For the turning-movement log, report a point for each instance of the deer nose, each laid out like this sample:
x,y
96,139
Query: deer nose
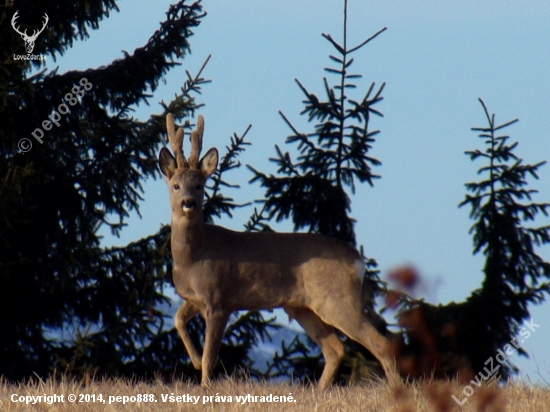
x,y
188,205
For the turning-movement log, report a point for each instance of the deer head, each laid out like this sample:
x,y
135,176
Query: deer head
x,y
186,179
29,40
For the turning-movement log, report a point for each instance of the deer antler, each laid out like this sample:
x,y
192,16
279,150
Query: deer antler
x,y
13,23
35,35
24,34
176,141
196,143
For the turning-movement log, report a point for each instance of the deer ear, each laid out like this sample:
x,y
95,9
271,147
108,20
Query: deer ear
x,y
209,163
167,163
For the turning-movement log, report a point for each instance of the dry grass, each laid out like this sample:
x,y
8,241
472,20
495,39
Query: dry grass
x,y
375,397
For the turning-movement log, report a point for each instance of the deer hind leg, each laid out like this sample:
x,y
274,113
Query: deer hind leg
x,y
184,314
216,321
325,336
349,319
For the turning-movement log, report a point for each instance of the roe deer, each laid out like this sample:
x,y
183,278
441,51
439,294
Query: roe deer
x,y
316,279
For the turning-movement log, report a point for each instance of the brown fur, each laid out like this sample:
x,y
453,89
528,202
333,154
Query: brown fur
x,y
218,271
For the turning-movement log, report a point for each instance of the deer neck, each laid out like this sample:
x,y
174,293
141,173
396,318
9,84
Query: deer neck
x,y
187,240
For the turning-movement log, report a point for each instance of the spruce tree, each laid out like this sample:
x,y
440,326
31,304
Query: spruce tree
x,y
67,304
313,190
461,337
503,211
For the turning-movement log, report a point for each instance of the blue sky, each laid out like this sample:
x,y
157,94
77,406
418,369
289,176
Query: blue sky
x,y
437,59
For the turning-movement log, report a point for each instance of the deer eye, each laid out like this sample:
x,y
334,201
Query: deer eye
x,y
198,187
176,187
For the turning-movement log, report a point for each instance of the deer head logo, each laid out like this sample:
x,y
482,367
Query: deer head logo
x,y
29,40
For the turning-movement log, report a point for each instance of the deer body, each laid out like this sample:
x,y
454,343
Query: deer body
x,y
315,278
255,271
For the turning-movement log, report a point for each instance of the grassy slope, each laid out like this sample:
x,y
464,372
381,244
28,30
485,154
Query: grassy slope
x,y
380,397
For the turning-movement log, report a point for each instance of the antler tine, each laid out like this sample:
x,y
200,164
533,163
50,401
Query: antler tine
x,y
176,140
14,22
196,143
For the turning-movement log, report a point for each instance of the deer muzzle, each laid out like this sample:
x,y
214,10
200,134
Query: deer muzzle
x,y
188,205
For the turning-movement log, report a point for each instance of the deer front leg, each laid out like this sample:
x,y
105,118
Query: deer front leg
x,y
215,327
183,316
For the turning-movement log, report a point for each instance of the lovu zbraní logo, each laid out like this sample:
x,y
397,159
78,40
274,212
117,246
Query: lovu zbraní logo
x,y
28,39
